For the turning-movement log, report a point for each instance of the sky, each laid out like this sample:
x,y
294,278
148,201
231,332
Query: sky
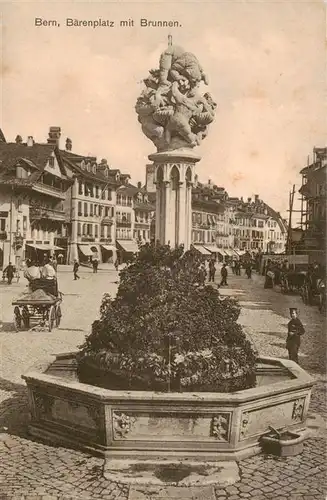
x,y
266,67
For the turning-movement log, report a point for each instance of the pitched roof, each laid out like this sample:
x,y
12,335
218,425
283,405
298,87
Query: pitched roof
x,y
73,160
146,207
2,137
11,153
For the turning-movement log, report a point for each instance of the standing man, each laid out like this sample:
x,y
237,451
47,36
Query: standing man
x,y
95,264
248,270
75,269
212,270
9,272
295,330
224,275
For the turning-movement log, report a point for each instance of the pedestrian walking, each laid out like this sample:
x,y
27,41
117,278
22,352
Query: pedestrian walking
x,y
95,264
249,270
60,258
116,264
54,263
212,270
9,273
295,331
75,270
224,274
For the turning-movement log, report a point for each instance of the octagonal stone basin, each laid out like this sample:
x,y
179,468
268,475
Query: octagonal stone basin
x,y
137,424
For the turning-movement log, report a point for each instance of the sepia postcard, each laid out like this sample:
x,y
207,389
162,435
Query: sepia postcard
x,y
170,157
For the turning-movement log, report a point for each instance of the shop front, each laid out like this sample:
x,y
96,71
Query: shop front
x,y
40,251
126,249
202,252
108,252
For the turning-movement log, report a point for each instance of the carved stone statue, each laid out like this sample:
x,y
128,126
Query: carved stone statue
x,y
171,109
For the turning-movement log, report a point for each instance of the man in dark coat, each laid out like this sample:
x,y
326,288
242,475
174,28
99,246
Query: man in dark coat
x,y
212,270
9,272
224,275
75,269
295,330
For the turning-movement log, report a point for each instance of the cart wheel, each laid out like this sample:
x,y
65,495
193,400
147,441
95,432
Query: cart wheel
x,y
58,315
26,317
17,319
51,317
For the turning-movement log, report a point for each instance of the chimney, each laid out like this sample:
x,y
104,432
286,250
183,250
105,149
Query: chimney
x,y
256,198
209,182
30,141
18,139
54,136
242,200
104,161
139,185
69,144
149,179
249,199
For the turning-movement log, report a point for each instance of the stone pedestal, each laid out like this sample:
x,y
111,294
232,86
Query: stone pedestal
x,y
174,175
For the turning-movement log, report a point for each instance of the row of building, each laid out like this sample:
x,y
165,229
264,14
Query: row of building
x,y
53,200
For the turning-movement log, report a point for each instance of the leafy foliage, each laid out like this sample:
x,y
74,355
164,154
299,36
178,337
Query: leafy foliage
x,y
165,331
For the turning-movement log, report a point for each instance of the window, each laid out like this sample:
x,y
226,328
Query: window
x,y
79,229
118,199
94,168
24,223
109,194
88,167
51,161
89,230
100,210
83,165
91,210
129,201
80,187
106,211
85,210
96,230
84,229
79,208
97,191
2,224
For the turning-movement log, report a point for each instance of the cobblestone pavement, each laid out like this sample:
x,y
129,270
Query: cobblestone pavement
x,y
33,470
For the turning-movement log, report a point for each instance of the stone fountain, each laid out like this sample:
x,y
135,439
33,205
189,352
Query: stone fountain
x,y
148,426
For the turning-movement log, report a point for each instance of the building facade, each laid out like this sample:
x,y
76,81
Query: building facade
x,y
313,197
34,184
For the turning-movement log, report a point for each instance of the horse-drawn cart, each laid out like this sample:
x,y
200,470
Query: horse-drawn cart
x,y
39,305
292,281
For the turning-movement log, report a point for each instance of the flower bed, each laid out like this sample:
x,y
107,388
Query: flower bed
x,y
166,331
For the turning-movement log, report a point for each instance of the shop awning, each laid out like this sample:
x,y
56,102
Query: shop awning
x,y
128,246
201,249
110,248
86,250
43,247
213,249
229,252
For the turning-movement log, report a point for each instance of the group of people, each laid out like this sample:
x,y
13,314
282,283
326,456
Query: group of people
x,y
212,273
48,270
33,270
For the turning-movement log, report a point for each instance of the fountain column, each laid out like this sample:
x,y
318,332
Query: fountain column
x,y
174,173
